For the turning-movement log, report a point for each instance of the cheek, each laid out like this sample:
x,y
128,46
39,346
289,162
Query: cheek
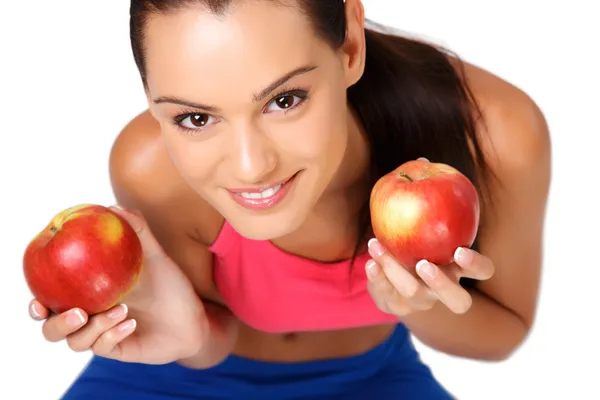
x,y
320,136
196,161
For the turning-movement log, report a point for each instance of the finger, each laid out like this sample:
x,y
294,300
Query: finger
x,y
37,311
454,272
474,265
423,159
59,326
378,285
150,245
448,291
402,280
388,299
110,345
85,337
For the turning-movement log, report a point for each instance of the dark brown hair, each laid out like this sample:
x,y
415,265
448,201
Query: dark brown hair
x,y
412,99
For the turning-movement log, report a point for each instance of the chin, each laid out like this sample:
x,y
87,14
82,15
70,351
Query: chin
x,y
267,227
254,232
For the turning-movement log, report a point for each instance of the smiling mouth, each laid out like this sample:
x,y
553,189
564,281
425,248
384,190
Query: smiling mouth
x,y
264,197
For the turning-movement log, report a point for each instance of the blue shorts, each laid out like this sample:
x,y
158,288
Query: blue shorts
x,y
392,370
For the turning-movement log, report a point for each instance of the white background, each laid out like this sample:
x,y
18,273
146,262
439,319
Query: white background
x,y
68,84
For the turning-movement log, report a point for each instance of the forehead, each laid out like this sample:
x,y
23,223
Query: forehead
x,y
194,50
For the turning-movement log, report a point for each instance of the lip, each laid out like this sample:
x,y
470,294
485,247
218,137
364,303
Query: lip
x,y
266,203
264,187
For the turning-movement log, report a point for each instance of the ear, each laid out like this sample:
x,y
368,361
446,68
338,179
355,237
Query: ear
x,y
354,48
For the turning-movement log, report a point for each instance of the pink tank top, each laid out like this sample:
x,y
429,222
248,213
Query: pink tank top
x,y
277,292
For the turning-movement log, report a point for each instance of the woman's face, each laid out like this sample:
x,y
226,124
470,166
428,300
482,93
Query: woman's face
x,y
252,108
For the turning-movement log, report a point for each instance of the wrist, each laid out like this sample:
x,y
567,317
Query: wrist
x,y
219,337
202,360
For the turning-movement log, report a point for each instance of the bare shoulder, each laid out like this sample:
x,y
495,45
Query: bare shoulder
x,y
514,129
142,174
515,139
144,178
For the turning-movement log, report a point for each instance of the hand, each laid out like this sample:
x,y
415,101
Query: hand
x,y
398,291
160,321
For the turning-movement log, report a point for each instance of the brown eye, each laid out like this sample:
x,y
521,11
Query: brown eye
x,y
285,102
199,120
195,121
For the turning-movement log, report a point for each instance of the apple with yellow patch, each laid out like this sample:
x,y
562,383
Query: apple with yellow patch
x,y
424,210
87,256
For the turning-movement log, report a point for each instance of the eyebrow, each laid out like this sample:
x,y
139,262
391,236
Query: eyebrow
x,y
256,97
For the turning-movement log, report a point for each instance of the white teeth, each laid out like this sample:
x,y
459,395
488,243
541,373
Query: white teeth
x,y
265,194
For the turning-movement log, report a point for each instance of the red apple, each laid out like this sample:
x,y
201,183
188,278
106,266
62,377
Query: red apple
x,y
87,257
424,210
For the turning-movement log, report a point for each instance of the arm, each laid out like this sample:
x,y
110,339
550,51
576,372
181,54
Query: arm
x,y
142,179
503,307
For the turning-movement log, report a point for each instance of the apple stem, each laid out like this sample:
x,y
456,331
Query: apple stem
x,y
53,229
404,175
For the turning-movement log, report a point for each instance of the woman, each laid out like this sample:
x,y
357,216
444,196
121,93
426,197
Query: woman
x,y
248,182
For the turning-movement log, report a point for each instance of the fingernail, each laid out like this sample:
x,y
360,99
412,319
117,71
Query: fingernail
x,y
34,312
423,159
75,318
127,326
461,255
375,248
427,269
372,269
117,208
118,311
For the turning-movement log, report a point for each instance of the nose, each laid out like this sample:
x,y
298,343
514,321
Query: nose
x,y
254,156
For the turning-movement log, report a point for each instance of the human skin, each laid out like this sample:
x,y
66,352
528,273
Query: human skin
x,y
177,176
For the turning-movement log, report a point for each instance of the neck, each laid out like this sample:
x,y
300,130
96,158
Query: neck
x,y
330,232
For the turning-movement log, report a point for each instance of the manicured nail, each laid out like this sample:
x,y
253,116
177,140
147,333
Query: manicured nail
x,y
75,318
461,255
34,312
427,269
372,268
118,311
375,248
117,209
127,326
